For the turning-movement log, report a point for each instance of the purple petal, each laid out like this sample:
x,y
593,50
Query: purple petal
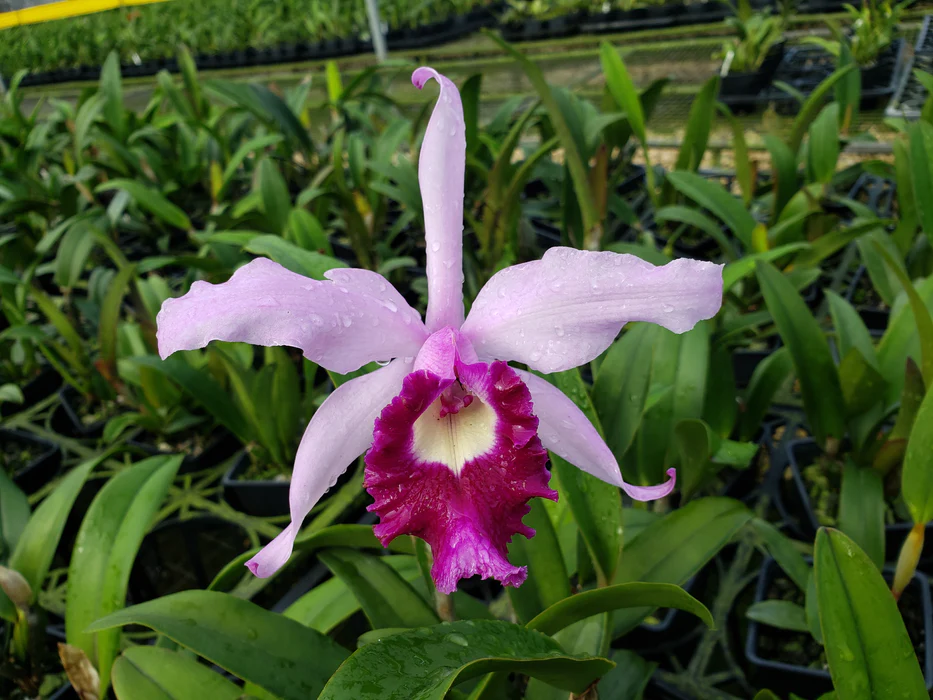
x,y
568,433
441,168
339,432
459,473
564,310
341,324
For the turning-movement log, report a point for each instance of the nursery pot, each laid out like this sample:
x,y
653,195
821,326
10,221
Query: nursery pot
x,y
749,84
66,418
784,678
43,386
41,468
179,555
221,447
793,502
876,318
262,499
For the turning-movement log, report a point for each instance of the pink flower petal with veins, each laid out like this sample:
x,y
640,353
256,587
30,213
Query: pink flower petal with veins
x,y
568,433
564,310
339,432
459,472
441,169
341,324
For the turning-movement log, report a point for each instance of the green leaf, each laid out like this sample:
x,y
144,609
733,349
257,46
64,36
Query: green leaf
x,y
922,316
713,196
869,652
824,143
699,122
151,200
39,540
819,380
264,104
779,613
547,581
850,329
739,269
783,551
917,476
861,509
696,443
253,146
784,174
699,221
275,200
623,89
386,598
831,243
277,654
153,673
14,514
578,170
769,376
676,547
308,233
623,595
110,315
921,144
812,106
201,387
327,605
112,90
426,663
596,505
862,384
304,262
883,280
743,165
621,387
901,341
628,680
105,549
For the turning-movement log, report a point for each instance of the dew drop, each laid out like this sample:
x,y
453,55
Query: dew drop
x,y
667,308
435,246
390,305
347,321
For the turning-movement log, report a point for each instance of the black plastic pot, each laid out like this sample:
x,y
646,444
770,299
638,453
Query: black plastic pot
x,y
223,446
740,88
41,469
442,32
793,503
540,29
876,318
804,67
258,498
43,386
183,554
784,678
66,420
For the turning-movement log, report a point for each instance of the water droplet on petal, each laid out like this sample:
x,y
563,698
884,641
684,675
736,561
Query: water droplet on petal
x,y
667,308
435,246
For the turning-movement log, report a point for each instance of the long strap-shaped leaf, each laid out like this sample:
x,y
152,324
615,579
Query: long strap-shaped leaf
x,y
572,156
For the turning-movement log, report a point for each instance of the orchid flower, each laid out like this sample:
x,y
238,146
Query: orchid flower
x,y
455,439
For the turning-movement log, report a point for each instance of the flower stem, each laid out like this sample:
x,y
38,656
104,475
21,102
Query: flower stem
x,y
445,607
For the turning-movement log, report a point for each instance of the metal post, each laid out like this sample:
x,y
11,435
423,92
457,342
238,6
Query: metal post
x,y
375,28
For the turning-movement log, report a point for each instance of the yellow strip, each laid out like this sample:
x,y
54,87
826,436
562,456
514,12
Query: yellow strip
x,y
59,10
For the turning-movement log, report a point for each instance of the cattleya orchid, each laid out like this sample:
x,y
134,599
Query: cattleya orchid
x,y
455,439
